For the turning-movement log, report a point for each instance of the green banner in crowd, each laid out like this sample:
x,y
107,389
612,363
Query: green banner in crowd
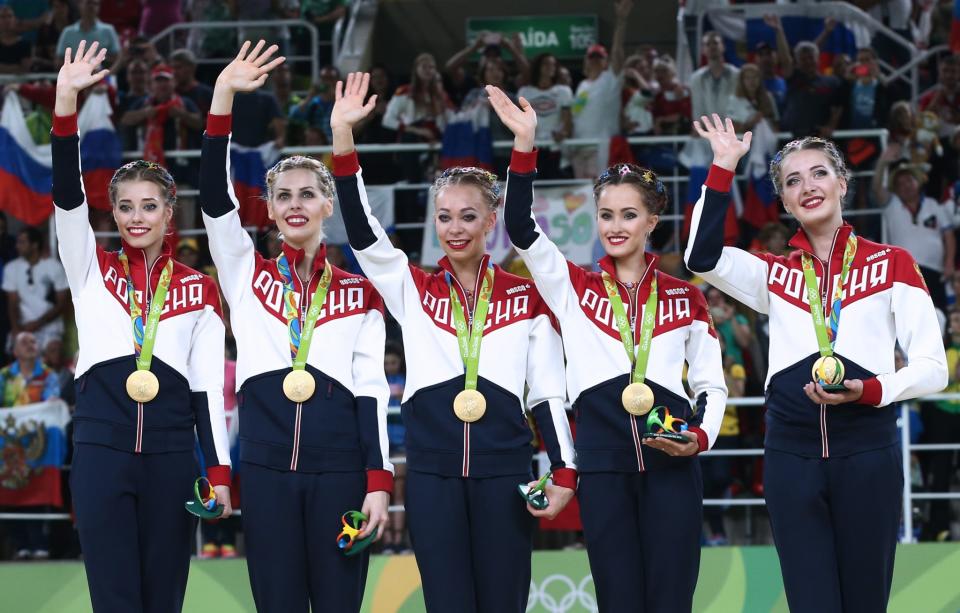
x,y
731,579
565,36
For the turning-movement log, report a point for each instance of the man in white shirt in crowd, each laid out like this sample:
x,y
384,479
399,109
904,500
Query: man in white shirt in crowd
x,y
596,104
712,85
916,222
36,288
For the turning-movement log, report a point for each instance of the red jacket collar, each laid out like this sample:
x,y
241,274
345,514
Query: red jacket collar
x,y
445,264
295,256
801,241
607,265
138,261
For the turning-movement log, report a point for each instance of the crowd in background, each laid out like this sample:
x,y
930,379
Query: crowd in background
x,y
160,97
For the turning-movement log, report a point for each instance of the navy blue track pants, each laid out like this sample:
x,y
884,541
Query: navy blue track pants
x,y
643,536
291,521
835,523
473,541
135,534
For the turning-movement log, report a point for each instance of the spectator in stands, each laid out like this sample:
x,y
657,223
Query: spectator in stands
x,y
281,83
395,537
137,82
812,104
215,42
61,14
718,470
157,15
941,424
166,122
671,114
36,289
552,103
136,48
712,86
378,168
23,382
314,110
184,65
916,222
766,61
324,15
732,327
903,142
492,71
54,359
418,112
90,29
865,96
944,101
123,15
17,388
490,46
257,120
596,107
751,102
15,52
773,238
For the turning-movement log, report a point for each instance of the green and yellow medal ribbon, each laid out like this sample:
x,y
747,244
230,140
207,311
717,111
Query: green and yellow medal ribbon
x,y
827,335
638,357
301,337
144,335
470,337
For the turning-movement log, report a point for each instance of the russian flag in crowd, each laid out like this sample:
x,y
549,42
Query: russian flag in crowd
x,y
761,205
731,228
33,447
743,35
248,166
26,171
955,28
99,149
467,140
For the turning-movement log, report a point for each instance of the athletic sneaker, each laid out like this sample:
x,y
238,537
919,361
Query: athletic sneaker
x,y
41,554
209,551
228,552
22,554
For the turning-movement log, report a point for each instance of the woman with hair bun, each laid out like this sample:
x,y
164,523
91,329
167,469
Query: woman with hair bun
x,y
627,331
312,394
833,476
149,375
476,336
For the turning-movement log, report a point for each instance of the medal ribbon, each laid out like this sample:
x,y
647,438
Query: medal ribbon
x,y
300,338
145,335
469,339
827,336
639,357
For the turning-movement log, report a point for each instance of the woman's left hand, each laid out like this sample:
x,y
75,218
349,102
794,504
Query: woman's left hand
x,y
557,498
522,120
673,448
817,394
376,508
223,497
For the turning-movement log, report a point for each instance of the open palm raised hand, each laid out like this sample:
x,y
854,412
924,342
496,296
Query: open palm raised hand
x,y
349,107
249,70
79,71
521,120
727,148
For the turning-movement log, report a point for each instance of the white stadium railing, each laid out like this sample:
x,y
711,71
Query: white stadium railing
x,y
907,449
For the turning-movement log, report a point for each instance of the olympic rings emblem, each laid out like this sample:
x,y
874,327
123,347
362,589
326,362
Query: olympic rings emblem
x,y
543,598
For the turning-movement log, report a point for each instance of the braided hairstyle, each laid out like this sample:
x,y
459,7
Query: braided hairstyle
x,y
294,162
484,180
644,180
829,149
142,170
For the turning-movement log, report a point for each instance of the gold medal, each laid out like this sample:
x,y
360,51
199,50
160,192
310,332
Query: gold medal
x,y
142,385
637,398
469,405
828,371
299,385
